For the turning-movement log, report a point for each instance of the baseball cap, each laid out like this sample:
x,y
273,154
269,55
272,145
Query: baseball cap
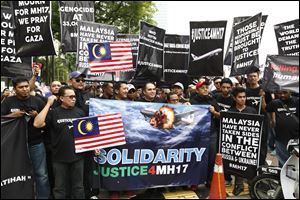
x,y
200,83
130,87
179,85
76,74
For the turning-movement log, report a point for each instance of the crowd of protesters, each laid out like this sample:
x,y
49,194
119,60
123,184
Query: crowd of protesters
x,y
61,173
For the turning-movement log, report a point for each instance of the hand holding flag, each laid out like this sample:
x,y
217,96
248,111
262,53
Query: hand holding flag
x,y
98,132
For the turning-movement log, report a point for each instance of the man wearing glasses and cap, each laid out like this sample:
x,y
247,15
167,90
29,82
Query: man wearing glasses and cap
x,y
82,97
179,89
132,95
82,102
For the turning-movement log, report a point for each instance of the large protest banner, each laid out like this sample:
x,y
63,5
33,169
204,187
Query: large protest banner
x,y
240,140
11,65
287,35
70,13
33,34
246,39
156,154
90,32
237,20
16,169
281,72
134,39
206,48
151,52
176,56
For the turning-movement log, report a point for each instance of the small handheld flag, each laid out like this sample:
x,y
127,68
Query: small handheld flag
x,y
98,132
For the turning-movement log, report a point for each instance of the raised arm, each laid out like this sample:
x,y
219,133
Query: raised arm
x,y
39,120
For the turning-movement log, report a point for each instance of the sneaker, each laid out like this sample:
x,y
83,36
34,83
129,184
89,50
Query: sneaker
x,y
237,190
94,197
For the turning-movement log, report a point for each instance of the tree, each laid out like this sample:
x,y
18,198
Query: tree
x,y
125,14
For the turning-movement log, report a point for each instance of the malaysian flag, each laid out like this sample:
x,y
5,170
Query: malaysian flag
x,y
110,56
98,132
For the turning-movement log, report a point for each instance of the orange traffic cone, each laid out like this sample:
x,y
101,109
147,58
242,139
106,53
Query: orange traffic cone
x,y
217,188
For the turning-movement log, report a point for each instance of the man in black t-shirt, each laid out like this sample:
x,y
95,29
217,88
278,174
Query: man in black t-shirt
x,y
225,99
23,104
256,98
65,161
285,121
77,80
149,94
121,91
82,96
203,98
239,96
217,83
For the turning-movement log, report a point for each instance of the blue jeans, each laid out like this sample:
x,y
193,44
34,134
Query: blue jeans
x,y
38,158
281,152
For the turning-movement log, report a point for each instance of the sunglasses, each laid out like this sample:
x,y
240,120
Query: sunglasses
x,y
78,80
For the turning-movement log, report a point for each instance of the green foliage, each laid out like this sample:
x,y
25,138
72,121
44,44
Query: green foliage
x,y
5,3
125,14
55,22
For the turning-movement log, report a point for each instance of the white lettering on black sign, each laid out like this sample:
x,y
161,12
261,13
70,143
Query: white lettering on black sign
x,y
92,33
240,140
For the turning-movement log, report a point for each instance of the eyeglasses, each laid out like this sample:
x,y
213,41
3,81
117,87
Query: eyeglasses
x,y
55,85
78,80
131,91
71,96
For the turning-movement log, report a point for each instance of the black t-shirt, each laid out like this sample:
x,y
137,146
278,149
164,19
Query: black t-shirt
x,y
247,109
286,126
224,102
82,100
59,121
214,93
13,104
208,100
253,97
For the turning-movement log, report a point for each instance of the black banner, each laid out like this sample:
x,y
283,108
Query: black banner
x,y
16,169
206,48
287,35
240,141
237,20
151,52
90,32
33,32
70,13
246,39
134,39
281,72
176,55
11,65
